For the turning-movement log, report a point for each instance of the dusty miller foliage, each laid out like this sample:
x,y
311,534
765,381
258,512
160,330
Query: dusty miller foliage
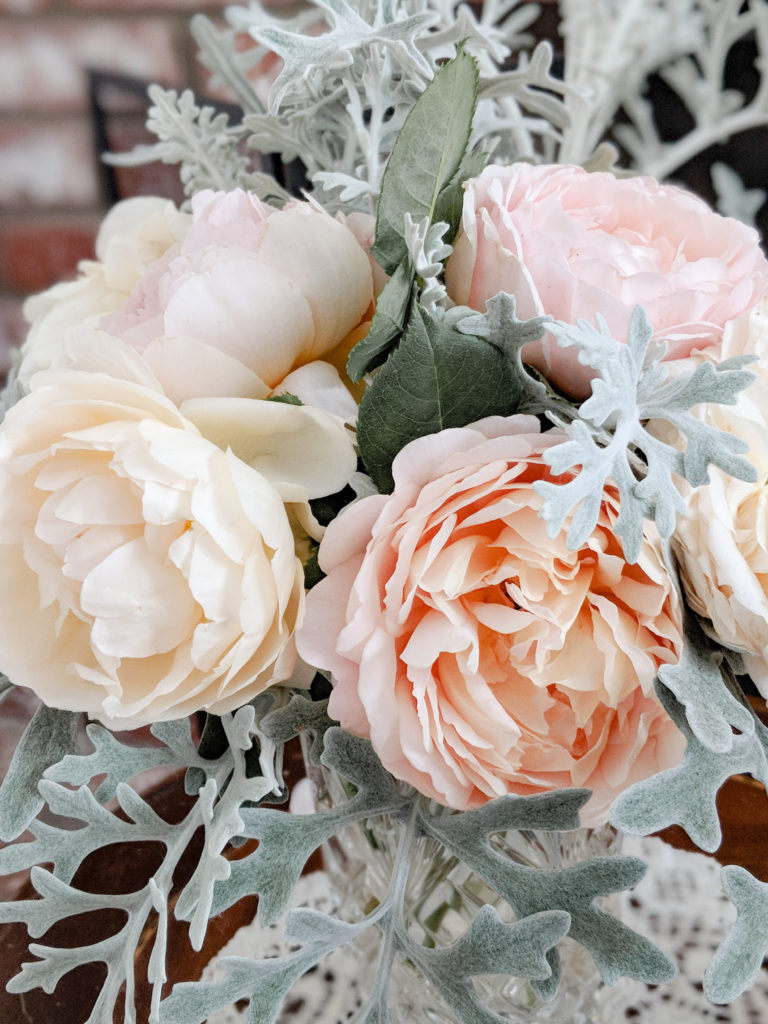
x,y
342,96
613,435
49,769
548,905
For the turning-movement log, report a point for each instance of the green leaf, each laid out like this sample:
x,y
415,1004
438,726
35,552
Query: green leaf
x,y
50,735
437,378
426,156
389,319
286,398
451,199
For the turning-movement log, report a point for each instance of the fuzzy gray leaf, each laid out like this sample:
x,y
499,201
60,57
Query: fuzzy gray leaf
x,y
610,438
227,787
686,794
287,841
500,327
119,762
201,141
337,48
50,735
491,947
265,982
616,949
740,957
712,711
300,715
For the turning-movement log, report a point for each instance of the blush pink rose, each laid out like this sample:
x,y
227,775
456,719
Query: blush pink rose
x,y
569,243
480,656
249,291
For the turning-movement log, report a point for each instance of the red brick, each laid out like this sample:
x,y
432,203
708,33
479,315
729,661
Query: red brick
x,y
23,6
144,5
47,165
43,66
36,253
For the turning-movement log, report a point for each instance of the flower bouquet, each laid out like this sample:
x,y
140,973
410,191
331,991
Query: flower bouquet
x,y
452,464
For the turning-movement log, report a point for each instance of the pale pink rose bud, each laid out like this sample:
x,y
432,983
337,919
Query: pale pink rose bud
x,y
569,243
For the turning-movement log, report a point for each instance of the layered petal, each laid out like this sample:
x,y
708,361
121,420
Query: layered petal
x,y
479,655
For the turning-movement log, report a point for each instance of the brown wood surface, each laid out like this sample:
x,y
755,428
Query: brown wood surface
x,y
120,869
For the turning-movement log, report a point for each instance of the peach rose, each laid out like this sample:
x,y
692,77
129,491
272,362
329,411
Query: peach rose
x,y
146,572
721,541
480,656
569,244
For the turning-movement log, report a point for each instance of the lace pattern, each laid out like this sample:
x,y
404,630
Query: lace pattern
x,y
679,905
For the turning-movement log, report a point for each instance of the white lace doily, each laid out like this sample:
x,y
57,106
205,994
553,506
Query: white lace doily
x,y
679,905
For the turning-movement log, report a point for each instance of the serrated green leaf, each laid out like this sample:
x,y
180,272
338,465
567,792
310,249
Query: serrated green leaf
x,y
451,199
426,156
437,378
50,736
388,321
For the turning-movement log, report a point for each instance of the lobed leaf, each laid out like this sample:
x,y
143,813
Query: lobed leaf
x,y
740,957
711,709
49,736
611,437
686,794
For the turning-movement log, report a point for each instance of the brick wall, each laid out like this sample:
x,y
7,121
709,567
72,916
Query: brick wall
x,y
51,193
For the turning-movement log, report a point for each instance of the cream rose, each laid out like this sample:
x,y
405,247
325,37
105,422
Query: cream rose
x,y
480,656
721,541
569,244
146,572
134,234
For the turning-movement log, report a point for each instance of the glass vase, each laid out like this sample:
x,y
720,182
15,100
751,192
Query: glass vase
x,y
443,896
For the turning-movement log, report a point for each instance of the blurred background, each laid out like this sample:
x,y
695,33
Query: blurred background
x,y
72,77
